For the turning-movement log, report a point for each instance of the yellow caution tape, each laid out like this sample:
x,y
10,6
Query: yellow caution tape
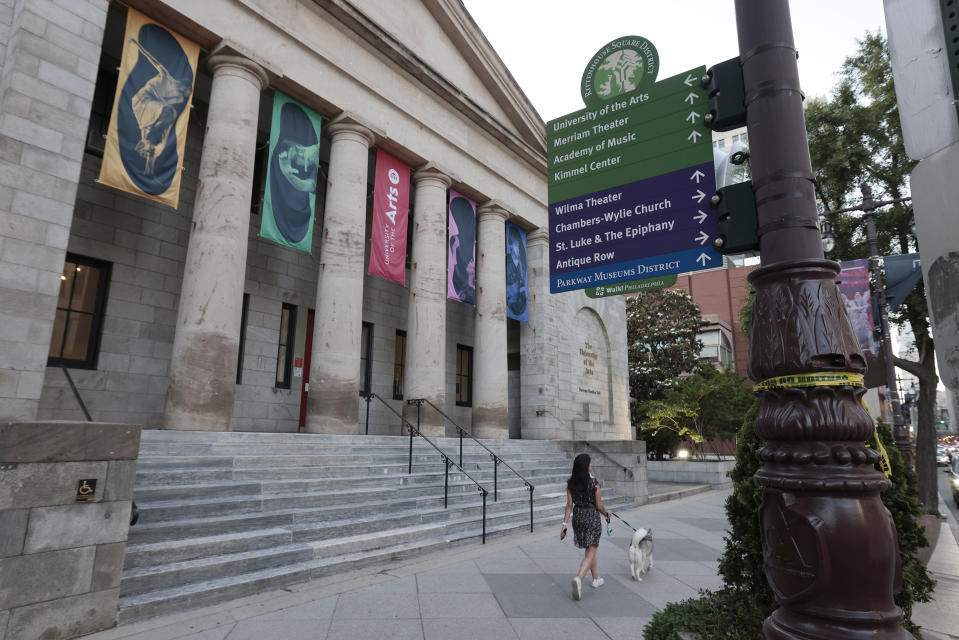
x,y
812,380
876,444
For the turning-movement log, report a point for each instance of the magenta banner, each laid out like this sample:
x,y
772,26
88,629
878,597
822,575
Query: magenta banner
x,y
854,290
461,264
391,208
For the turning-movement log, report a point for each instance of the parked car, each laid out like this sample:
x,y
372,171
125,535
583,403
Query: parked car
x,y
942,457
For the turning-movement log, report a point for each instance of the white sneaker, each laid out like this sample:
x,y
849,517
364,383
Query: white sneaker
x,y
598,582
577,588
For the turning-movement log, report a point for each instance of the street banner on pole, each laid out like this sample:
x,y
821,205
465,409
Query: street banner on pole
x,y
630,176
289,200
517,276
854,291
461,262
143,154
391,207
903,273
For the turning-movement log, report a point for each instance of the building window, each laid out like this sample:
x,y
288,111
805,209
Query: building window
x,y
366,362
721,143
243,316
284,352
80,308
716,347
399,365
464,376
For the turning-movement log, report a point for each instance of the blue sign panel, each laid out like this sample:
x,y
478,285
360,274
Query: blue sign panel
x,y
657,226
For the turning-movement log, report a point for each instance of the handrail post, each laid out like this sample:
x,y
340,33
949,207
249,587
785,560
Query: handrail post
x,y
410,470
446,483
495,490
530,507
484,517
369,399
461,444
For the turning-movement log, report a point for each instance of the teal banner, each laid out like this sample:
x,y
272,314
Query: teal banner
x,y
290,198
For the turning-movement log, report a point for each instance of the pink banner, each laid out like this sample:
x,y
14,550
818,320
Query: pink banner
x,y
461,262
391,208
854,291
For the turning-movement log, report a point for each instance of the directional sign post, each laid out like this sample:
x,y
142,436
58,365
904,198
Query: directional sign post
x,y
630,177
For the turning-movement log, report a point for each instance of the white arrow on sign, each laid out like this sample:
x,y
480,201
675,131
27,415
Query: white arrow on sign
x,y
697,175
702,238
701,217
692,117
699,196
694,135
689,80
691,98
703,258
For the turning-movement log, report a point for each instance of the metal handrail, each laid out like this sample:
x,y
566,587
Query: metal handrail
x,y
414,431
496,459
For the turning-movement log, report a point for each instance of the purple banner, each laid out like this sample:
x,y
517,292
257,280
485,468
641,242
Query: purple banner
x,y
517,280
854,290
461,262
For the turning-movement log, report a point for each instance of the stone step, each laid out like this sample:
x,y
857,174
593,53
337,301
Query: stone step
x,y
177,574
157,553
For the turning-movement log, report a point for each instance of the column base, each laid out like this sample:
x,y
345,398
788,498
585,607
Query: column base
x,y
490,422
330,425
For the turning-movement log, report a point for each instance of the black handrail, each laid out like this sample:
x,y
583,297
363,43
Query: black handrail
x,y
496,459
414,431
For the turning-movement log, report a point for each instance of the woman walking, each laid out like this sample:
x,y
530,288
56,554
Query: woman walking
x,y
585,504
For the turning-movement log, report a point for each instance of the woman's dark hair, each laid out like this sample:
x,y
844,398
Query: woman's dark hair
x,y
580,476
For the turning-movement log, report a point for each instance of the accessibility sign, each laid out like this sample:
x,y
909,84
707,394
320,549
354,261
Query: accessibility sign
x,y
631,175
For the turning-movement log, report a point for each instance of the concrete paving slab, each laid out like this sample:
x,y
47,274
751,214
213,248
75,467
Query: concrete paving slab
x,y
618,628
468,629
315,610
364,605
375,630
459,605
258,629
466,578
552,629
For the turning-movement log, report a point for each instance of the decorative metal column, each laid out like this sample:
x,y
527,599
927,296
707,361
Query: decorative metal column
x,y
829,544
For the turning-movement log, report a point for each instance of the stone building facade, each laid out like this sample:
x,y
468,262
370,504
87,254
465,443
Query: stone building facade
x,y
194,322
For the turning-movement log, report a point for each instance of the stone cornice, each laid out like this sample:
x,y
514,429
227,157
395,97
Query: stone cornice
x,y
532,147
493,210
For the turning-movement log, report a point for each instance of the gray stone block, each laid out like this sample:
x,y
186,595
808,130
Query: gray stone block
x,y
77,525
108,566
45,576
68,441
67,618
13,530
42,485
4,616
121,474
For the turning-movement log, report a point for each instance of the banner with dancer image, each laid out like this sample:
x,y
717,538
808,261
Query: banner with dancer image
x,y
855,293
517,277
391,208
289,200
461,264
143,154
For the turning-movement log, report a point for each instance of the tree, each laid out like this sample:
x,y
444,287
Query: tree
x,y
706,405
855,139
661,330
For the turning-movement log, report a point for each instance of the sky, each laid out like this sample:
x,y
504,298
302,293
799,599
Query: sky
x,y
546,44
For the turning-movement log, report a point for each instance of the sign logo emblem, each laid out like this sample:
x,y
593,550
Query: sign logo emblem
x,y
622,66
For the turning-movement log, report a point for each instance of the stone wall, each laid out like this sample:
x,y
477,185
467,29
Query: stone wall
x,y
60,559
619,465
50,53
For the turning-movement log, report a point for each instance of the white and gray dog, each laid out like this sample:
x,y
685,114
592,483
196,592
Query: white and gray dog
x,y
641,553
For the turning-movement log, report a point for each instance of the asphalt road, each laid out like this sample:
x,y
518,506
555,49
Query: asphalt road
x,y
945,490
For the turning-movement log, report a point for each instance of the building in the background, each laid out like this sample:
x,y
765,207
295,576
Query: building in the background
x,y
188,318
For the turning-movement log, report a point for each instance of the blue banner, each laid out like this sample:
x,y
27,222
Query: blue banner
x,y
517,275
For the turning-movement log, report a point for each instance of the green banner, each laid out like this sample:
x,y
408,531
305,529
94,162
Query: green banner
x,y
289,200
620,288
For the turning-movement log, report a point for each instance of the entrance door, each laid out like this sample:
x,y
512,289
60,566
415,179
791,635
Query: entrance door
x,y
308,351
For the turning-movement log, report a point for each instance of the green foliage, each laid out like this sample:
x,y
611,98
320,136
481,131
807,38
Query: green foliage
x,y
917,584
661,329
716,615
708,404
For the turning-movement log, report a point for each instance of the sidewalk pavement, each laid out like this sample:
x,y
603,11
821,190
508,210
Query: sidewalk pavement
x,y
516,587
940,618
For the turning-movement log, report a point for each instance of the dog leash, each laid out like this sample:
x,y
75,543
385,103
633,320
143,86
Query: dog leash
x,y
623,521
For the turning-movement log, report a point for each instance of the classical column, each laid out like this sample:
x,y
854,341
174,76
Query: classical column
x,y
490,392
426,322
538,364
205,347
335,362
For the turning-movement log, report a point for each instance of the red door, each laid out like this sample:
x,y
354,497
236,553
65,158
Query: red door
x,y
308,350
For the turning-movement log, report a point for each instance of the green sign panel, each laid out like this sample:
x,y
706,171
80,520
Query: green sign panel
x,y
633,286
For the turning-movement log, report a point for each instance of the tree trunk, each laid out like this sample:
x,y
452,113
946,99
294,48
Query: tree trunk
x,y
926,431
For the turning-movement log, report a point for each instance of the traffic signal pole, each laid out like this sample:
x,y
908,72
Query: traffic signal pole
x,y
829,544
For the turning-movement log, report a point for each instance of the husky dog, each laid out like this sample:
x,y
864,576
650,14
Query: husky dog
x,y
641,553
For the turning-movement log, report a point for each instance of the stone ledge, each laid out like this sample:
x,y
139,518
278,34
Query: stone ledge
x,y
66,441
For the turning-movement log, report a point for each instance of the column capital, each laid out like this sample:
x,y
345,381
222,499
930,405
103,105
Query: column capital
x,y
349,126
493,210
540,235
430,171
240,66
